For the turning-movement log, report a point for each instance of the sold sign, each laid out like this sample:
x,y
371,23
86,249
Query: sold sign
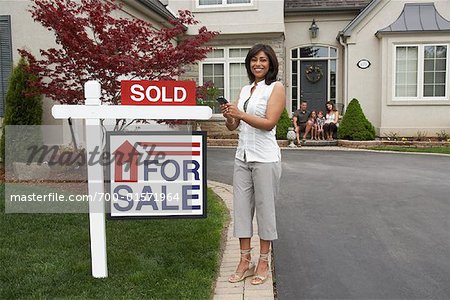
x,y
145,92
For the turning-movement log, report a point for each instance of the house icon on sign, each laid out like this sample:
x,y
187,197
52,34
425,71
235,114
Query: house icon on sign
x,y
126,159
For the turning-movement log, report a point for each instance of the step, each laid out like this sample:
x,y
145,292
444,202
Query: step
x,y
222,142
319,143
282,143
234,143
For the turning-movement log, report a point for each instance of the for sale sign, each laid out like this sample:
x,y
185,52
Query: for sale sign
x,y
157,174
146,92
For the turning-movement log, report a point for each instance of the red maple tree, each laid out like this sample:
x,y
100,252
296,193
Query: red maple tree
x,y
95,45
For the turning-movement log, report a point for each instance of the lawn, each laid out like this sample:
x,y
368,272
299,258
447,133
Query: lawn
x,y
444,150
48,256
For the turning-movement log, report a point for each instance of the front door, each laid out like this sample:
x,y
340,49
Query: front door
x,y
314,83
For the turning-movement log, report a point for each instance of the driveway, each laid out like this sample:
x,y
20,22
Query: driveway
x,y
358,225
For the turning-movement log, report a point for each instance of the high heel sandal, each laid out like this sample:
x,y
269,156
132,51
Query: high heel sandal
x,y
239,276
258,278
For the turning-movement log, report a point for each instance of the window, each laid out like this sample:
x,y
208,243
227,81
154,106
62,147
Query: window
x,y
215,73
225,67
223,2
5,58
406,71
434,68
421,72
309,52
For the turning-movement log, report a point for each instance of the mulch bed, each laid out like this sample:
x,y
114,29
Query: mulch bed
x,y
70,180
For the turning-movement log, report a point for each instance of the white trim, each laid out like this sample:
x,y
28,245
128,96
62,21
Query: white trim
x,y
328,79
224,6
420,74
131,111
299,60
299,90
226,60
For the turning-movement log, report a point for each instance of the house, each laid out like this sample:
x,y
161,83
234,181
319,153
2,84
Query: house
x,y
393,56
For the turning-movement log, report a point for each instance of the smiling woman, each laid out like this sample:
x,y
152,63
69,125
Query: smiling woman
x,y
257,167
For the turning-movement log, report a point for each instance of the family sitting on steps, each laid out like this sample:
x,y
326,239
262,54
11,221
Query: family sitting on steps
x,y
316,124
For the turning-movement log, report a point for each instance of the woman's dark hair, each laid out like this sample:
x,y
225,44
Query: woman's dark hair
x,y
271,76
333,108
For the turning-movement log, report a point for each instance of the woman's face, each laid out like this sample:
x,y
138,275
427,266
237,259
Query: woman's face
x,y
329,107
259,65
313,114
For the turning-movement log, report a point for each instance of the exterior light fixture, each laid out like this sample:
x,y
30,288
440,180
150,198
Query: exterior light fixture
x,y
314,29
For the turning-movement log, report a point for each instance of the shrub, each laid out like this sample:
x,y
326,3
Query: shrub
x,y
207,95
442,136
421,135
391,136
283,124
354,125
23,106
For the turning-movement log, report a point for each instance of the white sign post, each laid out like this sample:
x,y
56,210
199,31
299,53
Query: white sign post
x,y
92,112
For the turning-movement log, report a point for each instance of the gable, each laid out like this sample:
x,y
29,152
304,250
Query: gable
x,y
417,17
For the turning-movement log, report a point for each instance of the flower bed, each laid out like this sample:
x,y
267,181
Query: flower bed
x,y
405,143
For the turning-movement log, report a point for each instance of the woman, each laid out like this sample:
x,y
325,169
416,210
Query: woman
x,y
257,167
331,121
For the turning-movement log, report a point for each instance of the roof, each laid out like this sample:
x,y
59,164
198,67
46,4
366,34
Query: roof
x,y
347,31
158,8
323,5
417,17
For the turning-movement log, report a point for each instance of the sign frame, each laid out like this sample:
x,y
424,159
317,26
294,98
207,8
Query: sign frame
x,y
107,173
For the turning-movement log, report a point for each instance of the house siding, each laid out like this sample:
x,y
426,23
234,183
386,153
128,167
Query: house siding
x,y
373,86
263,16
5,59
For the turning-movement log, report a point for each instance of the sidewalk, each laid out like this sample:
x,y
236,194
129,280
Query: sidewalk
x,y
243,290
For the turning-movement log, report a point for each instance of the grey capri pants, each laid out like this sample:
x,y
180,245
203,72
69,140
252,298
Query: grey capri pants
x,y
255,187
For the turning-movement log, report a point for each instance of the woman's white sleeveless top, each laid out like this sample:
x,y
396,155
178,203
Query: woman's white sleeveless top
x,y
256,145
331,116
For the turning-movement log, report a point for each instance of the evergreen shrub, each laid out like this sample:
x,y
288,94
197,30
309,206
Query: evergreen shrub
x,y
23,106
282,126
354,124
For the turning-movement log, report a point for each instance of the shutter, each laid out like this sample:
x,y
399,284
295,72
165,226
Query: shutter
x,y
6,62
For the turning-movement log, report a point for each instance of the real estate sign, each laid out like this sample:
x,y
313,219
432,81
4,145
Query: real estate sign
x,y
157,174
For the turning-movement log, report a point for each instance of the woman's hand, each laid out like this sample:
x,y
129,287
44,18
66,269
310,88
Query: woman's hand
x,y
232,111
231,122
224,109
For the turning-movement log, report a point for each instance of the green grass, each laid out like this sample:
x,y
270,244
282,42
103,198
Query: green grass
x,y
48,256
444,150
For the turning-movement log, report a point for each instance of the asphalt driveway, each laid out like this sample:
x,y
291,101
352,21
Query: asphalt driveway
x,y
359,225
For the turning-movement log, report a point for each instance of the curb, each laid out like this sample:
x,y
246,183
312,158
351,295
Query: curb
x,y
341,148
243,290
